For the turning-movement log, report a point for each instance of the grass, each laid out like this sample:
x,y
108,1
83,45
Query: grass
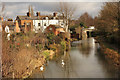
x,y
46,53
108,45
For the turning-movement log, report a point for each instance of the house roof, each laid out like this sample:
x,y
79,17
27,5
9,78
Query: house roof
x,y
38,18
8,23
27,18
56,26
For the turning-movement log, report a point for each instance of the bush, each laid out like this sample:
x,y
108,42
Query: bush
x,y
39,46
46,54
63,45
50,37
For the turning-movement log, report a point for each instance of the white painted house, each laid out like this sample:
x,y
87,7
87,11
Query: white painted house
x,y
44,21
7,30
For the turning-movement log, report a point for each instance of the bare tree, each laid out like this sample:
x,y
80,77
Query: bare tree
x,y
1,14
86,19
108,18
2,9
31,10
107,23
67,10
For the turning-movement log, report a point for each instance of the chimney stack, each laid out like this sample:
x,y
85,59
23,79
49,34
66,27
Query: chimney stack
x,y
10,19
1,18
29,14
55,14
38,14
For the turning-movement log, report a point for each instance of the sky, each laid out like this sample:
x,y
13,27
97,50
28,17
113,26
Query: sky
x,y
46,7
59,0
12,9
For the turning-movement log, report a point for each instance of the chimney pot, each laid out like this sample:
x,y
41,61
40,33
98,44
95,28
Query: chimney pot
x,y
55,14
38,14
29,14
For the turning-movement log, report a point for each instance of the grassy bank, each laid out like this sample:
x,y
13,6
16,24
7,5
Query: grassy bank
x,y
25,52
111,53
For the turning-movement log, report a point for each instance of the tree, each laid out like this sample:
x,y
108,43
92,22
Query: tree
x,y
108,17
107,22
85,19
2,9
67,12
31,10
1,15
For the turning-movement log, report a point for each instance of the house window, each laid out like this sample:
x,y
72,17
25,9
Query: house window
x,y
54,17
50,29
38,24
28,23
45,24
46,18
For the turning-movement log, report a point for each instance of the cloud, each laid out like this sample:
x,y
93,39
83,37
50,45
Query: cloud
x,y
59,0
92,8
12,10
20,8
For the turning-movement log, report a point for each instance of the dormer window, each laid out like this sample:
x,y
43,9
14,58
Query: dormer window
x,y
46,18
62,24
28,23
54,17
45,24
38,24
50,29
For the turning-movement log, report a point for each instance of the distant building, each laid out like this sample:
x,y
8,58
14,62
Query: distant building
x,y
91,27
16,29
7,29
56,29
39,22
1,19
43,21
25,23
6,24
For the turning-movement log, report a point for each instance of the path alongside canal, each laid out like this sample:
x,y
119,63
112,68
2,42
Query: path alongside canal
x,y
82,61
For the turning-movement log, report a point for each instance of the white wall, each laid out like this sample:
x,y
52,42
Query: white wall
x,y
47,22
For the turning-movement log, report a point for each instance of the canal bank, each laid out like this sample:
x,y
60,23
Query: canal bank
x,y
111,53
82,61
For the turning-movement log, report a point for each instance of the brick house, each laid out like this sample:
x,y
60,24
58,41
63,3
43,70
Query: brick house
x,y
25,23
39,22
13,26
43,21
9,24
1,19
56,29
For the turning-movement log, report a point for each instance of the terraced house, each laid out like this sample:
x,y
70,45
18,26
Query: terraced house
x,y
39,22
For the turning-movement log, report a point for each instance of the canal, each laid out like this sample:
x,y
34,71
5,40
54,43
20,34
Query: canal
x,y
84,60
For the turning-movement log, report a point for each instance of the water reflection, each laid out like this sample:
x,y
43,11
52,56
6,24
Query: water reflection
x,y
82,61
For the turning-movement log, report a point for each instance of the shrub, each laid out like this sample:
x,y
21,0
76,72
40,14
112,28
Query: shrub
x,y
46,53
50,37
63,45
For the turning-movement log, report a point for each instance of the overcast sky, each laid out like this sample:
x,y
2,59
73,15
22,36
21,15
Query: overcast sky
x,y
12,9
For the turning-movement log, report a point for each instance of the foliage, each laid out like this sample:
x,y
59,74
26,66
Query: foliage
x,y
107,22
63,45
72,28
50,37
81,24
39,46
85,20
46,53
53,47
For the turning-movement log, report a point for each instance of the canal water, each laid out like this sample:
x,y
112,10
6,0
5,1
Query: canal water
x,y
84,60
